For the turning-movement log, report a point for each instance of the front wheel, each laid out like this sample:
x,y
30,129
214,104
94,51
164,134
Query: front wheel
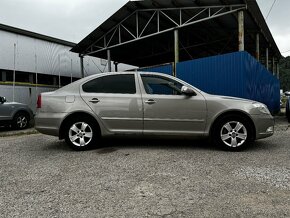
x,y
233,133
81,134
288,110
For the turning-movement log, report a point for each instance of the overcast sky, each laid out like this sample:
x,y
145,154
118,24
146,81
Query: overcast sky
x,y
72,20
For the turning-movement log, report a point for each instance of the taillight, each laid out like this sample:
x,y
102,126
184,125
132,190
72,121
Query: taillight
x,y
39,101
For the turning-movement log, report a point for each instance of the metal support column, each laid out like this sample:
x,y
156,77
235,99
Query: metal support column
x,y
273,65
82,66
241,31
267,58
109,60
116,66
176,51
14,73
258,47
59,79
278,70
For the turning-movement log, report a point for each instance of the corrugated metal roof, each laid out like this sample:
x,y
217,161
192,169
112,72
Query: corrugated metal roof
x,y
212,37
36,35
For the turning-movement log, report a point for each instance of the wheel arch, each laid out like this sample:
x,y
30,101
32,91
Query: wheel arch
x,y
21,111
233,113
74,115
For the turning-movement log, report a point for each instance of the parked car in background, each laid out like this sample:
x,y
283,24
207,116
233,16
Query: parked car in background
x,y
148,104
288,109
287,93
16,114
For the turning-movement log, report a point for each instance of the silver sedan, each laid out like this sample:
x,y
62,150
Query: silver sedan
x,y
148,104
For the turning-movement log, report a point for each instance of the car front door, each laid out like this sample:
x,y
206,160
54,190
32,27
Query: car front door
x,y
168,111
117,101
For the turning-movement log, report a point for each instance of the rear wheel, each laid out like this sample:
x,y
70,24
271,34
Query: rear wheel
x,y
81,134
233,133
20,121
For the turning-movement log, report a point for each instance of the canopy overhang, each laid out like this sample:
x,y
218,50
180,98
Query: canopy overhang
x,y
141,32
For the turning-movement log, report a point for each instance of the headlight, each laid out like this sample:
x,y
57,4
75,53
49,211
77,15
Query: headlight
x,y
261,107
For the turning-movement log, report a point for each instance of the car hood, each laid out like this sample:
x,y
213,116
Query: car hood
x,y
225,98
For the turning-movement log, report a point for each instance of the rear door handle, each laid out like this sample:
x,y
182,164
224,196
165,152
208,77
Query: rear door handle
x,y
150,101
94,100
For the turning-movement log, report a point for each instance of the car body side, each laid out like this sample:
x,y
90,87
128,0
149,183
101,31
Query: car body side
x,y
62,104
8,110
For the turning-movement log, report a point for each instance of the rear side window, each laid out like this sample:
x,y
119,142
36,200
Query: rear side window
x,y
122,84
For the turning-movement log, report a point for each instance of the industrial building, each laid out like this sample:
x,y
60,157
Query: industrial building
x,y
31,63
171,33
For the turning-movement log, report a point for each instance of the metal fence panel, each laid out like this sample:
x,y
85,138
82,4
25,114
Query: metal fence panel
x,y
219,75
235,74
261,85
166,69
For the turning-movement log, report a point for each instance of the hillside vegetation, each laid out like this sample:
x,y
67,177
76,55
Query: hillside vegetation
x,y
285,74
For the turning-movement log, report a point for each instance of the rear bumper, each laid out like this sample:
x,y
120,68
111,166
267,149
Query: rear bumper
x,y
49,123
264,124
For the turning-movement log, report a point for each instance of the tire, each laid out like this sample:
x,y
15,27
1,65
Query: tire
x,y
288,110
233,133
20,121
81,134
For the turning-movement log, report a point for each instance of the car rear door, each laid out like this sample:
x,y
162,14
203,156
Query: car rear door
x,y
117,101
168,111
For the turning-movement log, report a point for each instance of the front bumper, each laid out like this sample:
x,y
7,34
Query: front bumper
x,y
264,125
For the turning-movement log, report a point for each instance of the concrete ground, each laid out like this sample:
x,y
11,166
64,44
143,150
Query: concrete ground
x,y
42,177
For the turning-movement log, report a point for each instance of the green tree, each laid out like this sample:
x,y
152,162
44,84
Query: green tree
x,y
285,73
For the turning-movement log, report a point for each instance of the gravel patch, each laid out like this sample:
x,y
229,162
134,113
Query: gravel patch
x,y
277,177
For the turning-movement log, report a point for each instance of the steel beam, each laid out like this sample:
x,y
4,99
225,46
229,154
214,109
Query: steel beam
x,y
176,50
267,58
109,60
258,47
82,66
241,31
116,66
273,65
278,70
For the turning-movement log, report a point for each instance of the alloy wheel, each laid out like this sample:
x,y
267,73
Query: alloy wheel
x,y
233,134
80,134
21,121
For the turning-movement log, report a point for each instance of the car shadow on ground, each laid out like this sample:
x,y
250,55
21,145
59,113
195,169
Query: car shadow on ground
x,y
109,145
6,128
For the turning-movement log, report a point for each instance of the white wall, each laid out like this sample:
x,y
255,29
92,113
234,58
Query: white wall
x,y
26,95
45,57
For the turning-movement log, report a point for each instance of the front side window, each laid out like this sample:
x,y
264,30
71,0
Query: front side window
x,y
158,85
121,84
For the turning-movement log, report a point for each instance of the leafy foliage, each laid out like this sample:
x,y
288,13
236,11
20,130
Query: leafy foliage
x,y
285,74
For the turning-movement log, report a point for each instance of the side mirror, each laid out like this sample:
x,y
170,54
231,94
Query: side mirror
x,y
188,91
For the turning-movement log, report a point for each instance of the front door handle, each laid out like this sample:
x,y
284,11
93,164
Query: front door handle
x,y
150,101
94,100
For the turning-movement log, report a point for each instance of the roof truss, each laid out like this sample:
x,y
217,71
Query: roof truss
x,y
150,22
